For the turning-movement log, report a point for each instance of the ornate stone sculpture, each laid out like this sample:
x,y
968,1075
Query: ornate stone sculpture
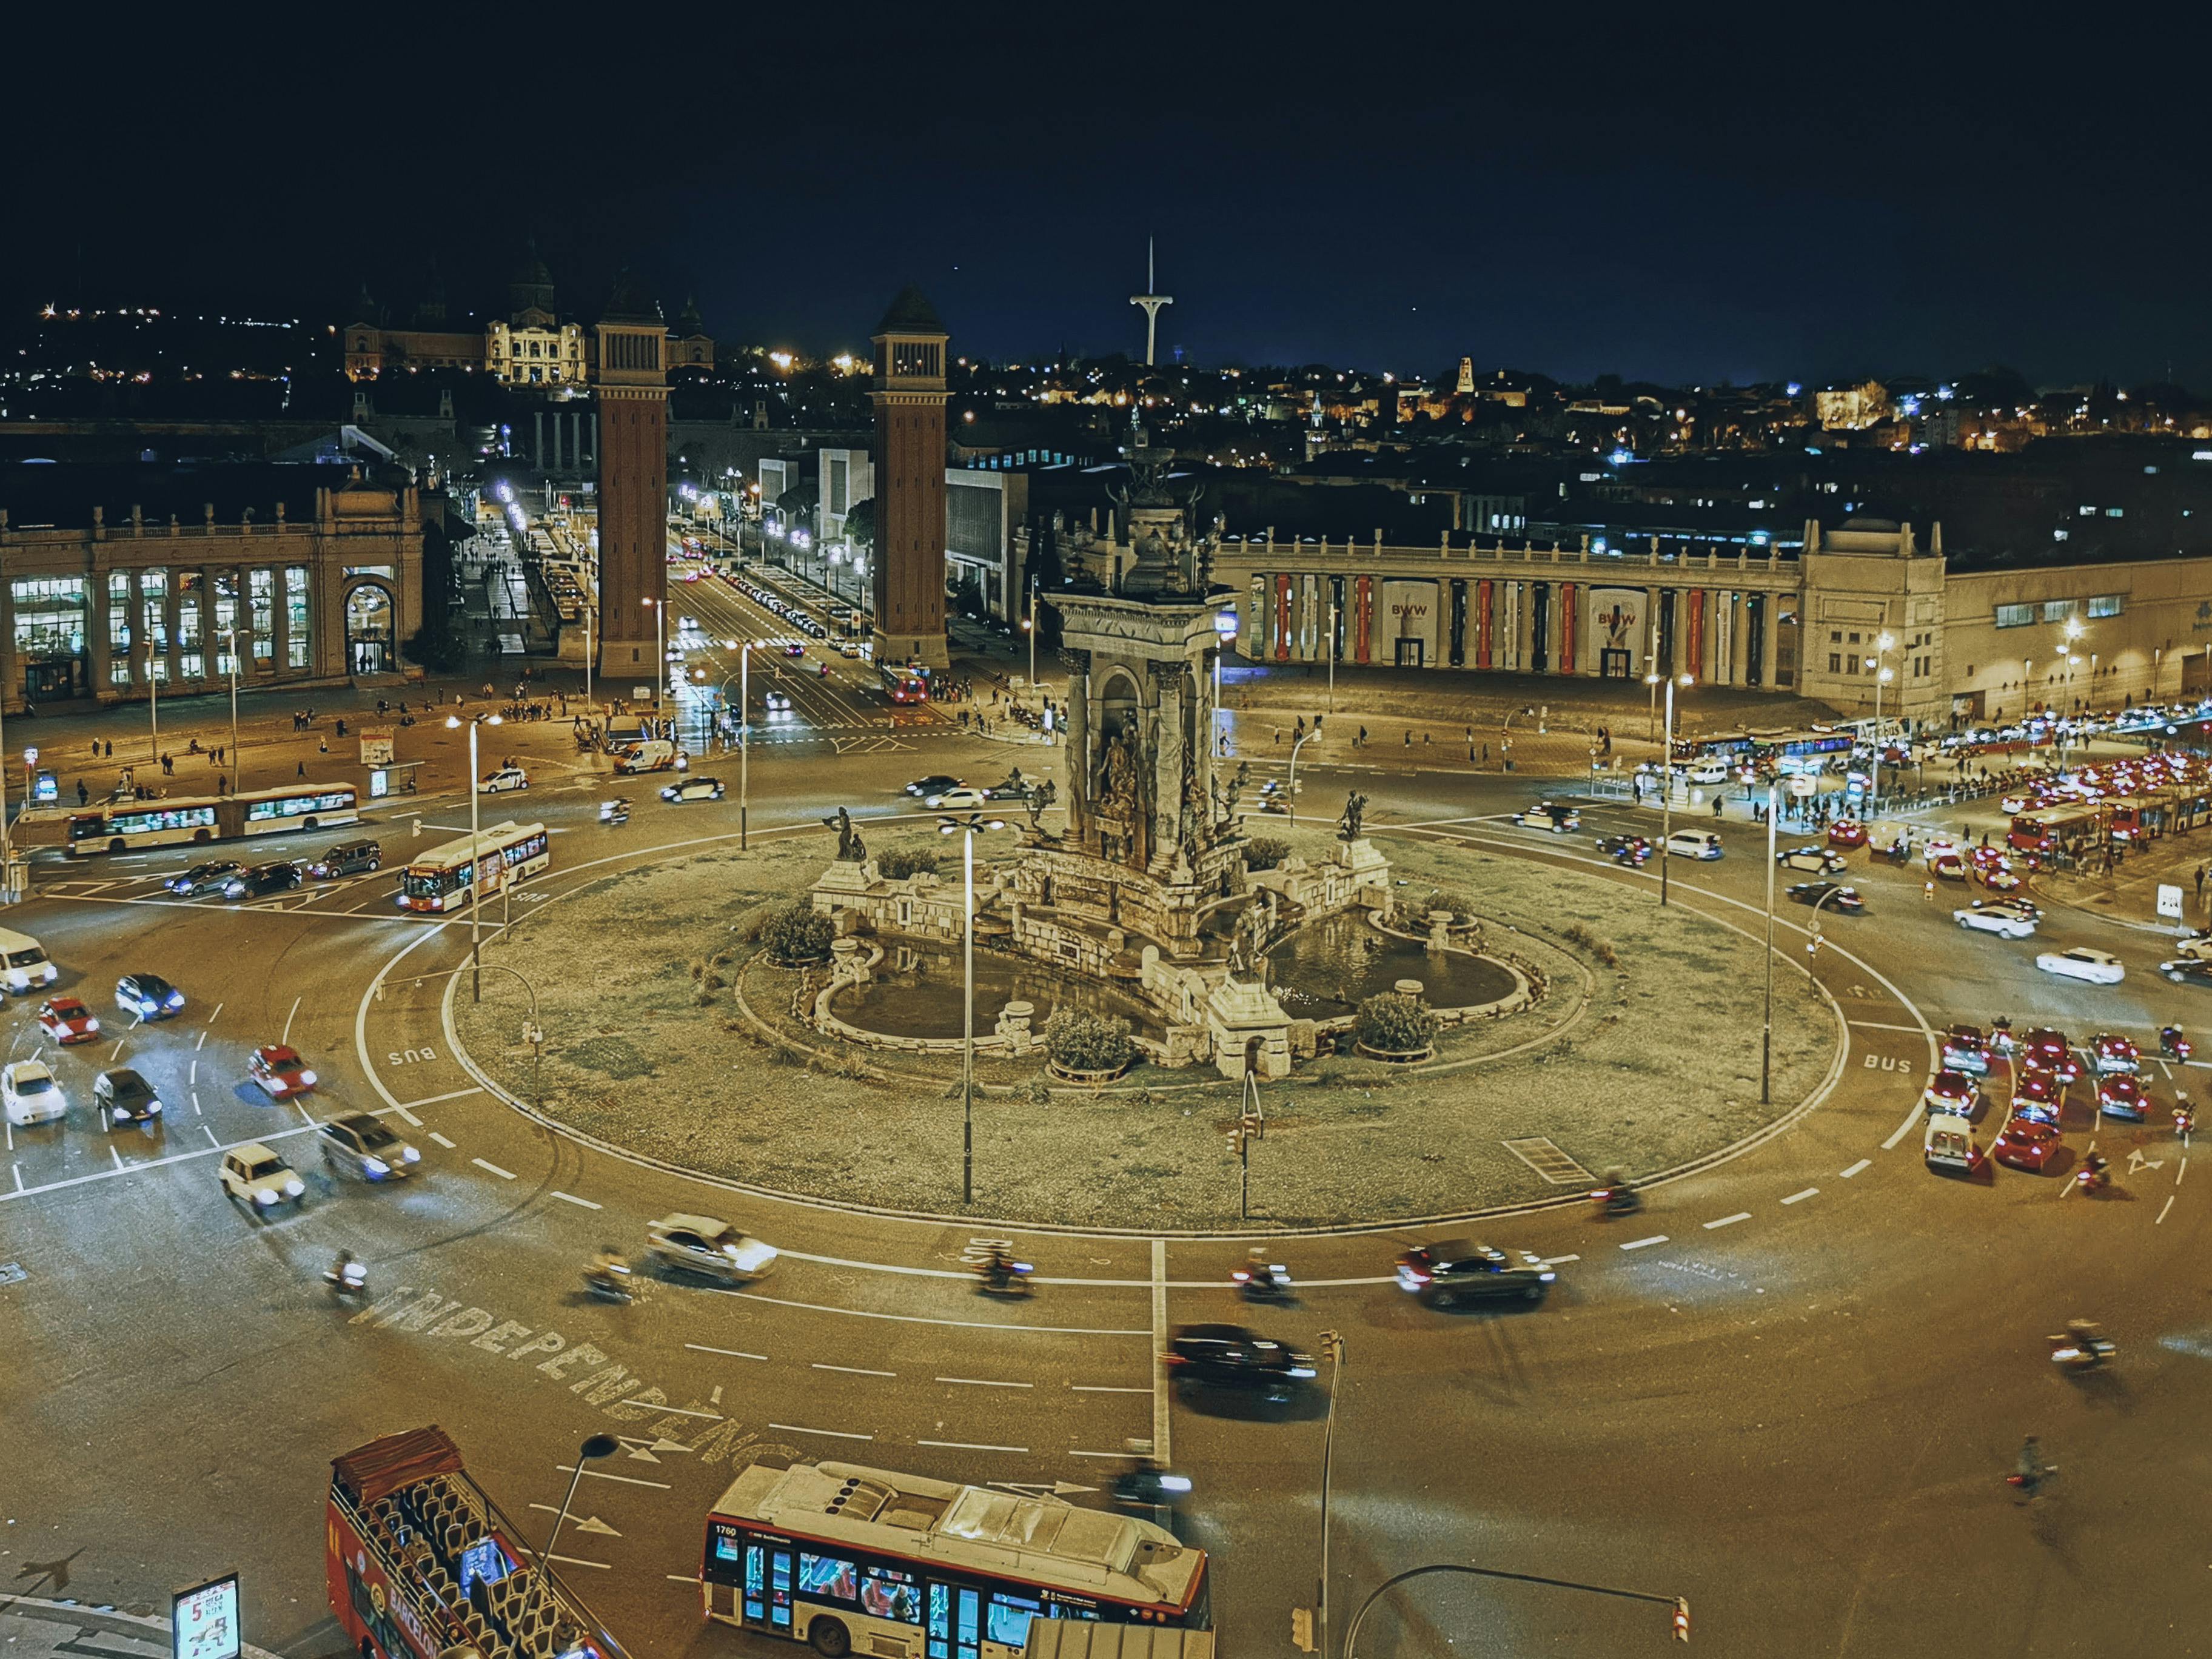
x,y
851,849
1355,810
1041,797
1117,793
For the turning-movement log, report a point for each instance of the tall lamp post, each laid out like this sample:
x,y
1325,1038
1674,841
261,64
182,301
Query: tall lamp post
x,y
533,1033
1666,785
1332,656
1883,645
966,828
1224,629
598,1446
231,634
1767,1020
1333,1347
659,650
453,722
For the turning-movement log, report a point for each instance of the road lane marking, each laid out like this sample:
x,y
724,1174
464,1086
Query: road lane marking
x,y
852,1370
194,1077
1913,1120
986,1383
1554,1260
1799,1198
433,1100
579,1561
18,1169
413,1121
1640,1243
1863,1164
2164,1207
285,1035
734,1353
210,1133
924,1319
627,1480
1728,1220
1162,1387
835,1434
1103,1388
216,1016
504,1175
1119,1456
1876,1025
968,1445
581,1203
679,1411
442,1140
202,1044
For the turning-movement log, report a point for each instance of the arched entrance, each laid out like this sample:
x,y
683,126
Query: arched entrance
x,y
370,619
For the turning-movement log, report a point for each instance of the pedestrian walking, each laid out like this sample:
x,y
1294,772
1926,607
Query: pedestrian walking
x,y
111,749
1717,805
302,771
83,794
1363,737
168,767
1409,737
2200,883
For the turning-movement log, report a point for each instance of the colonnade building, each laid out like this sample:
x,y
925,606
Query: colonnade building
x,y
1869,603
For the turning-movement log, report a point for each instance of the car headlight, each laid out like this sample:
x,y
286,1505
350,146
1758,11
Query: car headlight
x,y
153,1108
176,999
1547,1276
263,1195
376,1166
1302,1371
92,1025
295,1187
306,1079
409,1155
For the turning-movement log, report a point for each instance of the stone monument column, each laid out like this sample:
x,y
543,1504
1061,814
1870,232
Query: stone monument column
x,y
1078,664
1168,759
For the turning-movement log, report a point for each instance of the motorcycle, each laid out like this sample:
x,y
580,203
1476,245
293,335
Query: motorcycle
x,y
2091,1180
346,1277
611,1281
614,812
2080,1353
1150,1484
1268,1283
1617,1201
1009,1279
2173,1044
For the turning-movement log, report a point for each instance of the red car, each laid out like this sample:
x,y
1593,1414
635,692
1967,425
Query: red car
x,y
67,1020
1847,832
1953,1092
2114,1053
2042,1091
2121,1095
1965,1049
280,1071
2028,1143
1948,866
2049,1051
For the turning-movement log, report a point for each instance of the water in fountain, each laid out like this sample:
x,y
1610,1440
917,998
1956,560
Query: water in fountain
x,y
1327,969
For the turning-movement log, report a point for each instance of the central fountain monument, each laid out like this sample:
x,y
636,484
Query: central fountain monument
x,y
1147,885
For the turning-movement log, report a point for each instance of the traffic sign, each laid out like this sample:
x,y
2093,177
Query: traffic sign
x,y
2169,900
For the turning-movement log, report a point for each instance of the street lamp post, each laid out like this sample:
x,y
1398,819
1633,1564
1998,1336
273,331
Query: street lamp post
x,y
533,1033
1030,627
1296,744
1505,737
1883,645
475,854
598,1446
967,828
1766,1018
1332,656
744,736
659,650
1667,786
1332,1346
231,634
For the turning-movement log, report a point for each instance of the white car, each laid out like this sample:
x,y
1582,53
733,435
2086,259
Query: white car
x,y
958,797
1693,844
2007,920
30,1093
259,1179
2097,966
499,782
1544,815
777,703
706,1245
1810,858
1709,771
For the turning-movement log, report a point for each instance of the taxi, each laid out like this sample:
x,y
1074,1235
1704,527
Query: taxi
x,y
67,1020
2041,1090
2048,1050
2030,1142
2121,1095
1847,832
2111,1054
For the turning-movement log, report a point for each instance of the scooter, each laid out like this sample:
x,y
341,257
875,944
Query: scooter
x,y
1268,1283
2077,1355
1617,1201
1010,1281
2173,1044
614,812
347,1277
2091,1180
611,1281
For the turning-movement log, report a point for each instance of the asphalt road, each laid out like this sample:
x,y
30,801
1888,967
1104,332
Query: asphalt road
x,y
1788,1390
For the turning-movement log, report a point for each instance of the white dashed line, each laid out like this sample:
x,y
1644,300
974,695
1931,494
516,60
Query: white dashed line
x,y
1640,1243
442,1140
985,1383
1863,1164
626,1480
835,1434
413,1121
1555,1260
734,1353
678,1411
579,1561
968,1445
1799,1198
1728,1220
210,1133
852,1370
2164,1207
581,1203
504,1175
1101,1387
432,1100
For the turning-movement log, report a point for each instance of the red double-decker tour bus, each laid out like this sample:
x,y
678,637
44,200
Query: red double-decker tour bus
x,y
421,1561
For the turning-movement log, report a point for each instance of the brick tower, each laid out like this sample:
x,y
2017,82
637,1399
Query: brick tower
x,y
633,484
909,458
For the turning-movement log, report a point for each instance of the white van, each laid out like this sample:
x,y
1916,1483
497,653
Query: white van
x,y
24,965
1693,844
653,755
1947,1143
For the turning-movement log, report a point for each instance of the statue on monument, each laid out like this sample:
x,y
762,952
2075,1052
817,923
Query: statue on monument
x,y
1040,798
1117,797
851,849
1355,811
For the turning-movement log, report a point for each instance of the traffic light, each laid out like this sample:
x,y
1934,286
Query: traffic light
x,y
1681,1619
1301,1628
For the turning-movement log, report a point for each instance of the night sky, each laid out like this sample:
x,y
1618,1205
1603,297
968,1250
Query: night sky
x,y
1749,198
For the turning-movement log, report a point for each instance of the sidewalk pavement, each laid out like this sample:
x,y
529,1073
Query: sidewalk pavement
x,y
31,1628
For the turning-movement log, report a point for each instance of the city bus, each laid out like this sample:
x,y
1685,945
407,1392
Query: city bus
x,y
904,684
124,824
1800,752
419,1561
2048,828
851,1558
440,878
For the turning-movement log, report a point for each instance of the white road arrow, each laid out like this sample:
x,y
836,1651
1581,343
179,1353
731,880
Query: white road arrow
x,y
665,1444
592,1523
637,1450
1040,1488
2137,1163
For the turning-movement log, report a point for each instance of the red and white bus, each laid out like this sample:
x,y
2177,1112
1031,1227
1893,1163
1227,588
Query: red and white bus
x,y
2048,828
124,824
440,879
860,1559
420,1562
903,685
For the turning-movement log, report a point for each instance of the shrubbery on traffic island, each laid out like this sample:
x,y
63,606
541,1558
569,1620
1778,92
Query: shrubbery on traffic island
x,y
1393,1022
1081,1041
899,863
1583,940
1265,852
796,933
1461,905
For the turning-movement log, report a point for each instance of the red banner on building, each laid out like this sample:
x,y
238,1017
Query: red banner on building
x,y
1697,651
1566,627
1362,612
1482,624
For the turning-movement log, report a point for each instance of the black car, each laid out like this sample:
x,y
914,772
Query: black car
x,y
2187,970
936,784
1230,1357
148,996
1624,850
123,1097
1456,1270
207,877
1846,899
262,878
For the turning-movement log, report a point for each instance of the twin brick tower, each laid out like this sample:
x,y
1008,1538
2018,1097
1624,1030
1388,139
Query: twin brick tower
x,y
909,458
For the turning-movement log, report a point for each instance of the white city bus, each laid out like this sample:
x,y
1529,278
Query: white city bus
x,y
867,1561
124,824
439,879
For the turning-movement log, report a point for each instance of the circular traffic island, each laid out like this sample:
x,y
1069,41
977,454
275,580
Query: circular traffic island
x,y
1531,1028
